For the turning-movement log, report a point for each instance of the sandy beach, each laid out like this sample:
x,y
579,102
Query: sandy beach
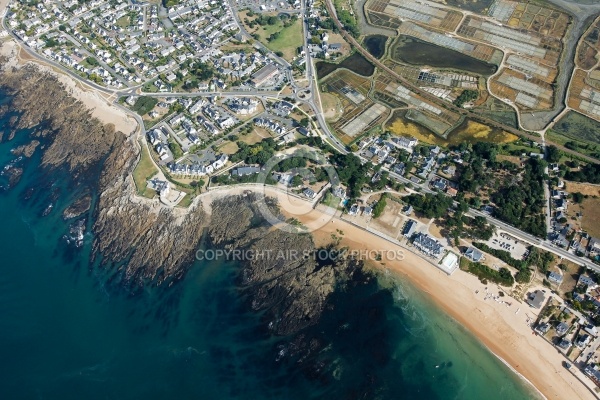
x,y
505,333
502,330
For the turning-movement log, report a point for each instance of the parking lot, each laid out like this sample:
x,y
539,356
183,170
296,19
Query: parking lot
x,y
506,242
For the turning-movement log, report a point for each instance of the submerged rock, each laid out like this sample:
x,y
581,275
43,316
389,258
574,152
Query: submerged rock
x,y
281,277
26,150
79,206
151,243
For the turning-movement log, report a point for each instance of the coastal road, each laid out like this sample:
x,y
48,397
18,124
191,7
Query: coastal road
x,y
517,233
505,227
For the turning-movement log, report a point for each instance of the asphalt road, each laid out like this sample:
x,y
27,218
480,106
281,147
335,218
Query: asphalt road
x,y
324,128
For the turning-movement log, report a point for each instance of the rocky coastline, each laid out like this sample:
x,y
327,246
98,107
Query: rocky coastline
x,y
148,243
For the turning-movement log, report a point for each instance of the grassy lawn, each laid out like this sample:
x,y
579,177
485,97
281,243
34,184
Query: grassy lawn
x,y
257,135
582,146
142,172
289,40
229,148
331,201
123,22
150,88
591,216
187,201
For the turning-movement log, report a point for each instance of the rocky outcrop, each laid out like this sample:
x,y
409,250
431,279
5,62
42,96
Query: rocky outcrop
x,y
26,150
281,272
152,243
146,240
77,140
79,206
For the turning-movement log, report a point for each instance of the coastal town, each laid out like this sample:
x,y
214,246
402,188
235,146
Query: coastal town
x,y
479,154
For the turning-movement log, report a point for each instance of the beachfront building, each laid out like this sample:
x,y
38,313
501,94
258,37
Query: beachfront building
x,y
593,371
308,192
543,328
409,228
449,263
428,245
564,344
562,328
161,187
473,254
536,299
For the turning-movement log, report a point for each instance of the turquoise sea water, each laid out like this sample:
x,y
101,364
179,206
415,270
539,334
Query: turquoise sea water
x,y
66,332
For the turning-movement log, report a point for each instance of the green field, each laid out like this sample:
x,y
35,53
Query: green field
x,y
143,171
580,127
331,201
289,39
577,132
124,21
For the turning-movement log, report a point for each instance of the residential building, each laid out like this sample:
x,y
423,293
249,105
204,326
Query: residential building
x,y
428,245
339,191
555,277
536,299
592,370
308,192
582,340
474,254
244,171
564,344
543,328
409,228
594,245
562,328
585,280
405,143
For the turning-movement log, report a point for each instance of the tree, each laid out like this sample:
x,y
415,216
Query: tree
x,y
578,197
296,181
380,206
553,154
465,97
92,61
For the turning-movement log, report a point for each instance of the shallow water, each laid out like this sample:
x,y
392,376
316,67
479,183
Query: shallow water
x,y
417,52
66,332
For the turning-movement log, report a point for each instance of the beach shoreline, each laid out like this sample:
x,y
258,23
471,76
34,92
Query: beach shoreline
x,y
504,332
